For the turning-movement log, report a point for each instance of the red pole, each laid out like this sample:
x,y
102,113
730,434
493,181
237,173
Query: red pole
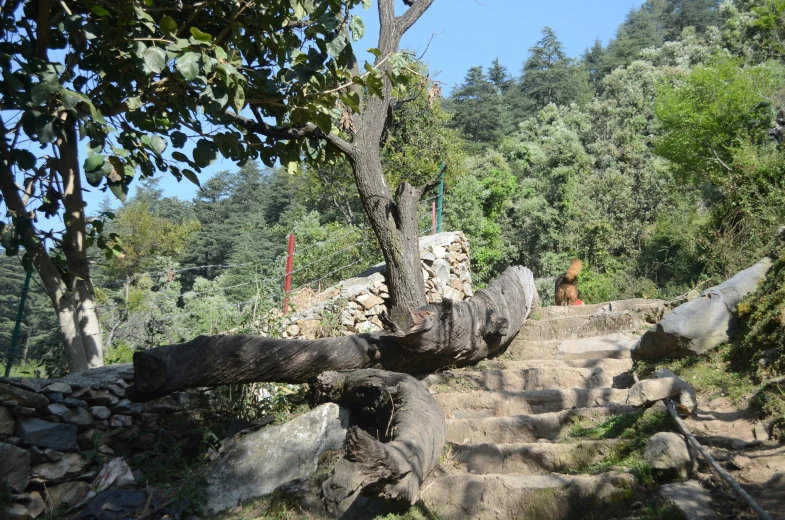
x,y
287,284
433,218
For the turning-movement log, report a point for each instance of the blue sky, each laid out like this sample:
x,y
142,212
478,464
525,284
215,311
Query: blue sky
x,y
466,33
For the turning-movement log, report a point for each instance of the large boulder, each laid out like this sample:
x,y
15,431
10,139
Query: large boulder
x,y
703,323
262,461
668,453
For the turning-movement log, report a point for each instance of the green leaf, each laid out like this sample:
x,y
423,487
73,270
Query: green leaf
x,y
191,176
366,4
168,26
188,65
98,10
336,45
24,159
201,36
323,121
357,27
155,59
158,144
134,102
292,167
41,93
181,157
120,190
205,153
178,139
238,98
93,163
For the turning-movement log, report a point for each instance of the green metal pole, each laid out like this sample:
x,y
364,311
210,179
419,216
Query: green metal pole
x,y
439,200
15,335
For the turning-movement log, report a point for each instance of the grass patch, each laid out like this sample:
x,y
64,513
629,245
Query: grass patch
x,y
712,374
662,512
634,430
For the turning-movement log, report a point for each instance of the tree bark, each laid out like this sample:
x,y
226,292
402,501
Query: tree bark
x,y
75,246
71,293
396,438
436,336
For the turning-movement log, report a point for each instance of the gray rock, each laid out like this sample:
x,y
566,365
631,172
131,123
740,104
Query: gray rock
x,y
689,497
120,420
687,397
23,411
703,323
126,407
777,482
79,417
74,403
7,421
102,398
69,466
668,453
14,467
441,268
55,397
45,434
36,504
21,396
100,412
649,391
66,494
262,461
16,512
57,409
58,387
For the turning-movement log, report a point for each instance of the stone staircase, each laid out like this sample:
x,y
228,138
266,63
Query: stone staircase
x,y
507,418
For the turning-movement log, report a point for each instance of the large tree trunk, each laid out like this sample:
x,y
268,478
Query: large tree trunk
x,y
436,336
75,247
71,294
396,438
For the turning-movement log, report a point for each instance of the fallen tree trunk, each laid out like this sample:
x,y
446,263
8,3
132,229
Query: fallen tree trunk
x,y
396,438
429,338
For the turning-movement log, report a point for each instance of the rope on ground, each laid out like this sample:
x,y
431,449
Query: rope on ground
x,y
724,475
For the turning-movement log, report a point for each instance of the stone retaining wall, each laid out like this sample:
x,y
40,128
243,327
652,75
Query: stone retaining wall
x,y
354,305
55,435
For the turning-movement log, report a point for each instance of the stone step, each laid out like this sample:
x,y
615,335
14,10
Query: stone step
x,y
576,327
608,346
462,405
526,428
609,365
532,458
651,311
515,380
519,497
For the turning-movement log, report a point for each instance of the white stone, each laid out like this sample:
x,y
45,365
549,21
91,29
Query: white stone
x,y
276,455
439,252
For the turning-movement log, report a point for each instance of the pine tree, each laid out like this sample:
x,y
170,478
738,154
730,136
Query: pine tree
x,y
477,108
550,77
593,59
499,76
638,31
681,14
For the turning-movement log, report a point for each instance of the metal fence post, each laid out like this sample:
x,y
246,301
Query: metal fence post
x,y
19,315
287,284
440,199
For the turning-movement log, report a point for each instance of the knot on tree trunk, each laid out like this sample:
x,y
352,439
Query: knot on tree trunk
x,y
396,438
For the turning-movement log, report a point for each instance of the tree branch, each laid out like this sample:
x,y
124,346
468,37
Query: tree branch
x,y
432,182
292,132
406,20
